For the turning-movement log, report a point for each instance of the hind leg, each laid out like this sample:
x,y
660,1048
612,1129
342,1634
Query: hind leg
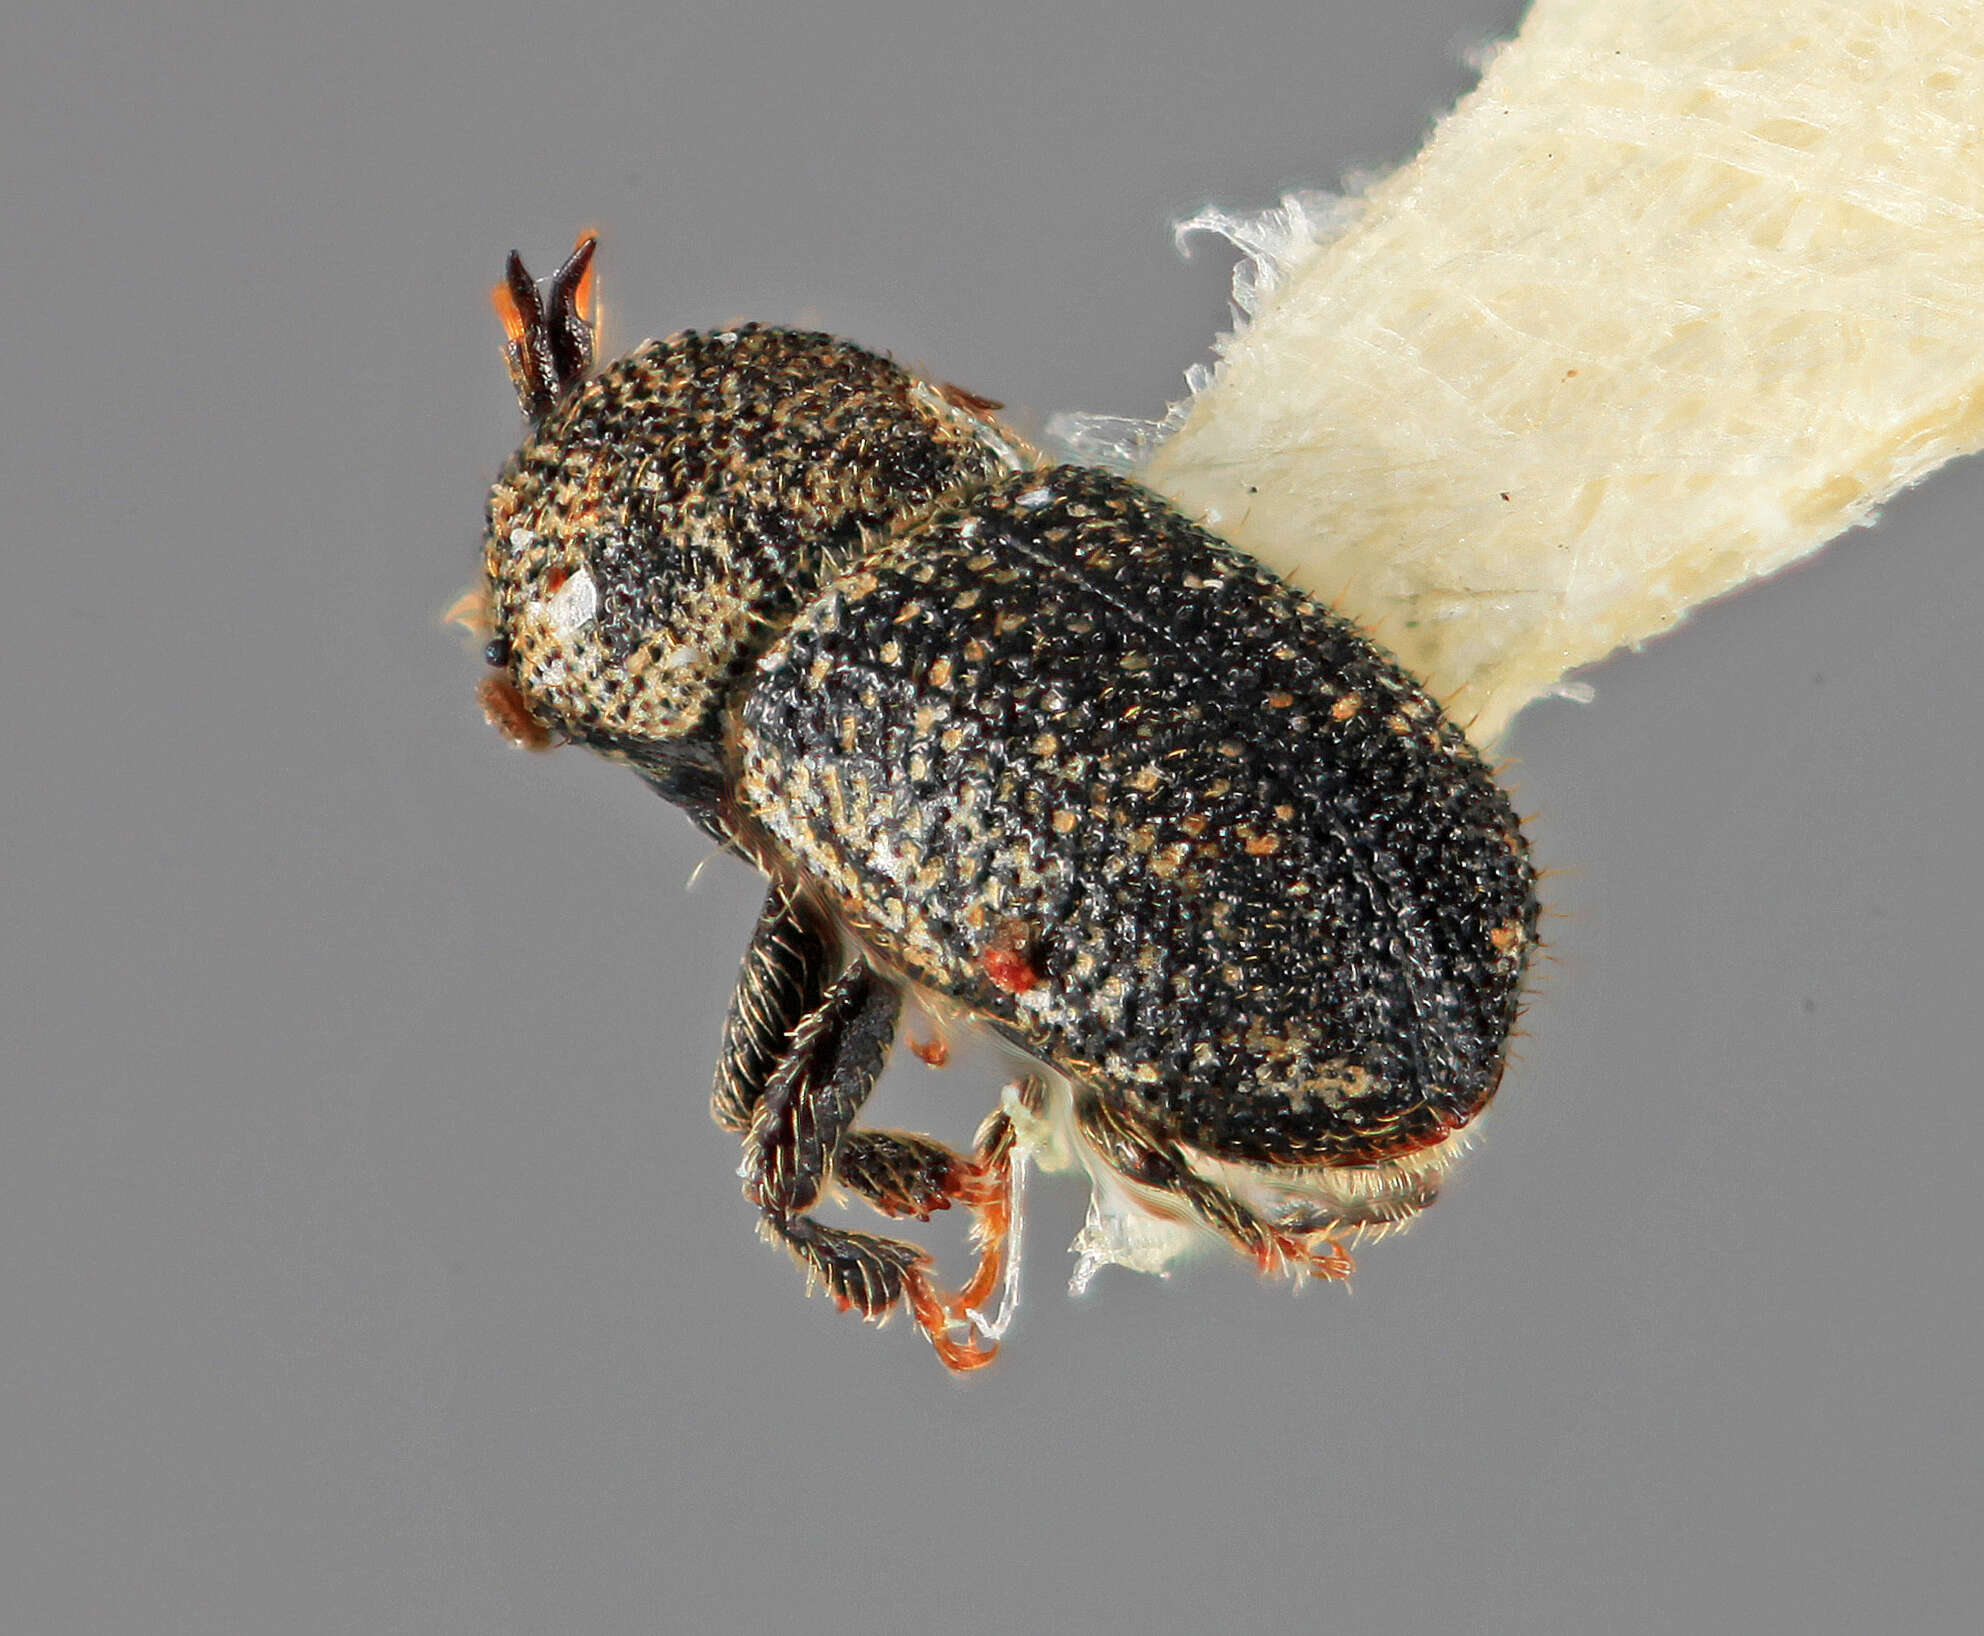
x,y
1143,1154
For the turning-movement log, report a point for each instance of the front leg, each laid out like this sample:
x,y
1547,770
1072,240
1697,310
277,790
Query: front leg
x,y
801,1116
787,968
831,1062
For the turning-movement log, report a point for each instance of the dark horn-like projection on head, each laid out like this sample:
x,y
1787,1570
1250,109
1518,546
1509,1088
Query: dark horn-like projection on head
x,y
548,344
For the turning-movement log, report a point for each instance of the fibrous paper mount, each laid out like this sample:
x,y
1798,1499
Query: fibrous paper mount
x,y
1679,292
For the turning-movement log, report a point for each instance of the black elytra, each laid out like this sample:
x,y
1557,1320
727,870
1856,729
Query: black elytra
x,y
1022,740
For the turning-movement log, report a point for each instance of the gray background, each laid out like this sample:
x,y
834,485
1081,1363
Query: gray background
x,y
369,1262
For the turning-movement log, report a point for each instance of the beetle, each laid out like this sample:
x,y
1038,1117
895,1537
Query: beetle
x,y
1022,741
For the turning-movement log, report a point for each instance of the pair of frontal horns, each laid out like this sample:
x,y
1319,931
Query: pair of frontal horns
x,y
547,342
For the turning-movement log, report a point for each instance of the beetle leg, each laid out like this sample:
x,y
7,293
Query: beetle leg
x,y
830,1062
989,1186
901,1174
786,972
862,1272
800,1122
905,1175
833,1059
1141,1154
989,1190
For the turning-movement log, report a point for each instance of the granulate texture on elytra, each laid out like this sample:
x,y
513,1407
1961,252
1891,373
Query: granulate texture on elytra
x,y
1266,878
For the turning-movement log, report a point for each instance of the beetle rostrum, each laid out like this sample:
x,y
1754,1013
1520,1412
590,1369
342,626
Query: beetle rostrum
x,y
1023,741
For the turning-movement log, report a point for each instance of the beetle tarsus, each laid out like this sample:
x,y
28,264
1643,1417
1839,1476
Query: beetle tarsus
x,y
1304,1256
939,1316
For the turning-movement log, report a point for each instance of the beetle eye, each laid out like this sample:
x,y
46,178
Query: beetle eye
x,y
497,654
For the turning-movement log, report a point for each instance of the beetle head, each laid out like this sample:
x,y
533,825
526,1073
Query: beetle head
x,y
669,514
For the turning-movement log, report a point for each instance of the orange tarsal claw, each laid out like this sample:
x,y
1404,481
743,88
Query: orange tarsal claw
x,y
986,1187
992,1231
936,1317
1305,1256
